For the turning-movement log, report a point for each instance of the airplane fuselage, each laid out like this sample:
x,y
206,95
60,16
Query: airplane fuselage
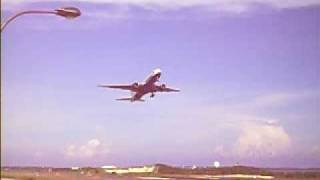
x,y
139,90
147,87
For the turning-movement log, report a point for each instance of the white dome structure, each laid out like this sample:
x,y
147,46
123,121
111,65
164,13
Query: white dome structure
x,y
216,164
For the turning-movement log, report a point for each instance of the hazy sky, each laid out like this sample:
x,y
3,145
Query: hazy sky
x,y
249,74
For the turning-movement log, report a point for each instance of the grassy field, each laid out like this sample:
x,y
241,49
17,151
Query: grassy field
x,y
163,172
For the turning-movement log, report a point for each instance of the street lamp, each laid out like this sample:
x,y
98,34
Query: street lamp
x,y
66,12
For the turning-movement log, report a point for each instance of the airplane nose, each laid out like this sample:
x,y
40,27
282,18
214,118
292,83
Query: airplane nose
x,y
157,71
157,74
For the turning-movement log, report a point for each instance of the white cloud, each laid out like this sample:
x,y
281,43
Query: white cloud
x,y
261,140
264,101
225,5
93,147
256,135
281,98
256,139
315,150
247,127
275,99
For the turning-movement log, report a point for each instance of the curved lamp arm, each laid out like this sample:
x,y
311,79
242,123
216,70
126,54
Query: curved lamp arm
x,y
3,25
67,12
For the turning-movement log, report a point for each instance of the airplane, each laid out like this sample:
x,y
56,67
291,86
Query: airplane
x,y
139,90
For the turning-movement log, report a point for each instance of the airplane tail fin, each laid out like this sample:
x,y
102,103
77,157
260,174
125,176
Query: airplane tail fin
x,y
129,99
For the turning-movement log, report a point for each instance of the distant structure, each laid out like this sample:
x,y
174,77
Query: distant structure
x,y
216,164
139,169
109,167
75,168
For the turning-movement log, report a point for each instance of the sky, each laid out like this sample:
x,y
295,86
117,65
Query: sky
x,y
248,71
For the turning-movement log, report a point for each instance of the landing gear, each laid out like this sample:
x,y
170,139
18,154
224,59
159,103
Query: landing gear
x,y
152,95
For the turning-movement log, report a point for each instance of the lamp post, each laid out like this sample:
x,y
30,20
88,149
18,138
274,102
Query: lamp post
x,y
66,12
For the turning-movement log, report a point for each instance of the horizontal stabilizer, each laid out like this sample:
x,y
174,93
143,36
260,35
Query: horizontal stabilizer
x,y
129,99
101,85
124,99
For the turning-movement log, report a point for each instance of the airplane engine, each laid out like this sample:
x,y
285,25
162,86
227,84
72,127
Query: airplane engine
x,y
163,86
135,85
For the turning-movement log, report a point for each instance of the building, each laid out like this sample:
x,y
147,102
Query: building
x,y
75,168
109,167
139,169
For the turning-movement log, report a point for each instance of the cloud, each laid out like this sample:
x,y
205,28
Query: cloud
x,y
257,126
93,147
261,140
252,105
275,99
256,139
224,5
282,98
315,151
96,12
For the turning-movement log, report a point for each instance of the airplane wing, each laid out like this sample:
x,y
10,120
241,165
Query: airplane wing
x,y
170,90
163,88
124,87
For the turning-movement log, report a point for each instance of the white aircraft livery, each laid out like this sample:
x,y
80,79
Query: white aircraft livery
x,y
139,90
